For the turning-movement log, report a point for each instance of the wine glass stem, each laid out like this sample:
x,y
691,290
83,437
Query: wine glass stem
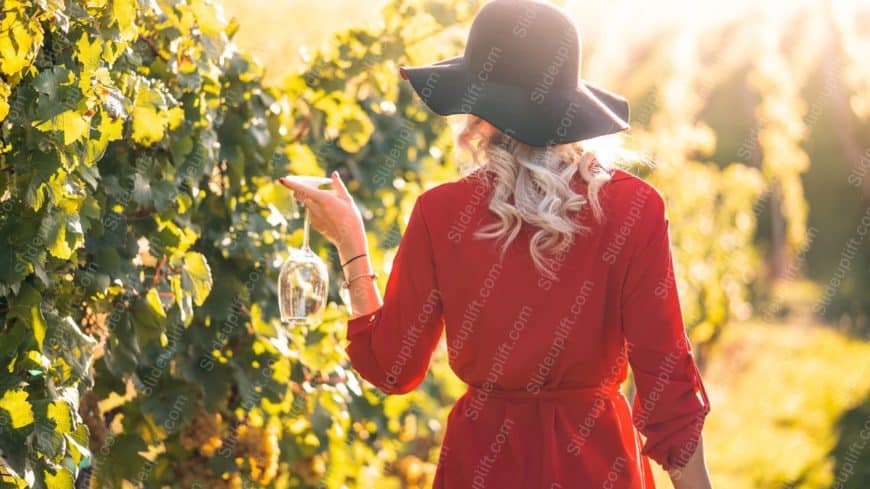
x,y
306,227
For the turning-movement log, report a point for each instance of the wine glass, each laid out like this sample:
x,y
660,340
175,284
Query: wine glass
x,y
304,281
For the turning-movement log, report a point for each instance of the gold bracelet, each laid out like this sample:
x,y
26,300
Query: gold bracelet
x,y
346,284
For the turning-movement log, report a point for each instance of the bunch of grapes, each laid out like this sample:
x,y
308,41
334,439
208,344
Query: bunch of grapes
x,y
410,468
203,433
92,416
258,446
309,469
94,323
193,472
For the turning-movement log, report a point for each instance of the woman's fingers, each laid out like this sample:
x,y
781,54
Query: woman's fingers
x,y
322,223
338,185
318,215
303,192
296,187
329,210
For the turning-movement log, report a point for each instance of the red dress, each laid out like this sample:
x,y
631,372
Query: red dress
x,y
543,358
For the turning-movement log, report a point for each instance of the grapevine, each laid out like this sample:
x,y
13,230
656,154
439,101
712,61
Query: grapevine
x,y
141,227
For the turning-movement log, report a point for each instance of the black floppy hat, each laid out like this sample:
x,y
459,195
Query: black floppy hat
x,y
521,72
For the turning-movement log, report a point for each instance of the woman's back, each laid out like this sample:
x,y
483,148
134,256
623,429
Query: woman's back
x,y
487,299
543,357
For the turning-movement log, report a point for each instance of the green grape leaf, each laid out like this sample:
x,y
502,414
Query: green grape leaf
x,y
124,13
20,412
77,442
153,299
60,412
59,478
170,402
71,123
48,440
122,348
110,129
11,340
48,82
123,460
89,52
58,245
196,270
206,18
151,116
5,91
19,40
149,324
147,125
70,347
182,299
28,308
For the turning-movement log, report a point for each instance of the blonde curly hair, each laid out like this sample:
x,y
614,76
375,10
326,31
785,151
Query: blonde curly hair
x,y
532,184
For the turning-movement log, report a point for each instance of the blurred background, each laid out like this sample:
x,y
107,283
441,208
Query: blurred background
x,y
756,114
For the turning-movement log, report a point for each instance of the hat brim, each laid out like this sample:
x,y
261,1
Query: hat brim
x,y
552,117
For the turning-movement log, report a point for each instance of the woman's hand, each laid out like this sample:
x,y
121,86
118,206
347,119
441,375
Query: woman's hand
x,y
694,475
333,214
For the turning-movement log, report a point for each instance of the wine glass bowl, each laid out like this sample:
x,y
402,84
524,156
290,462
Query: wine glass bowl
x,y
302,287
303,282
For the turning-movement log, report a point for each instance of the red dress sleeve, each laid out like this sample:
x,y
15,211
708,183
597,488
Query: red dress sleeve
x,y
392,346
671,403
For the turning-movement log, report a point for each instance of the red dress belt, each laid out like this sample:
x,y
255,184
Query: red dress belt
x,y
544,393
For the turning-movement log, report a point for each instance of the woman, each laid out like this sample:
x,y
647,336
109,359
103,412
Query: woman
x,y
550,270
